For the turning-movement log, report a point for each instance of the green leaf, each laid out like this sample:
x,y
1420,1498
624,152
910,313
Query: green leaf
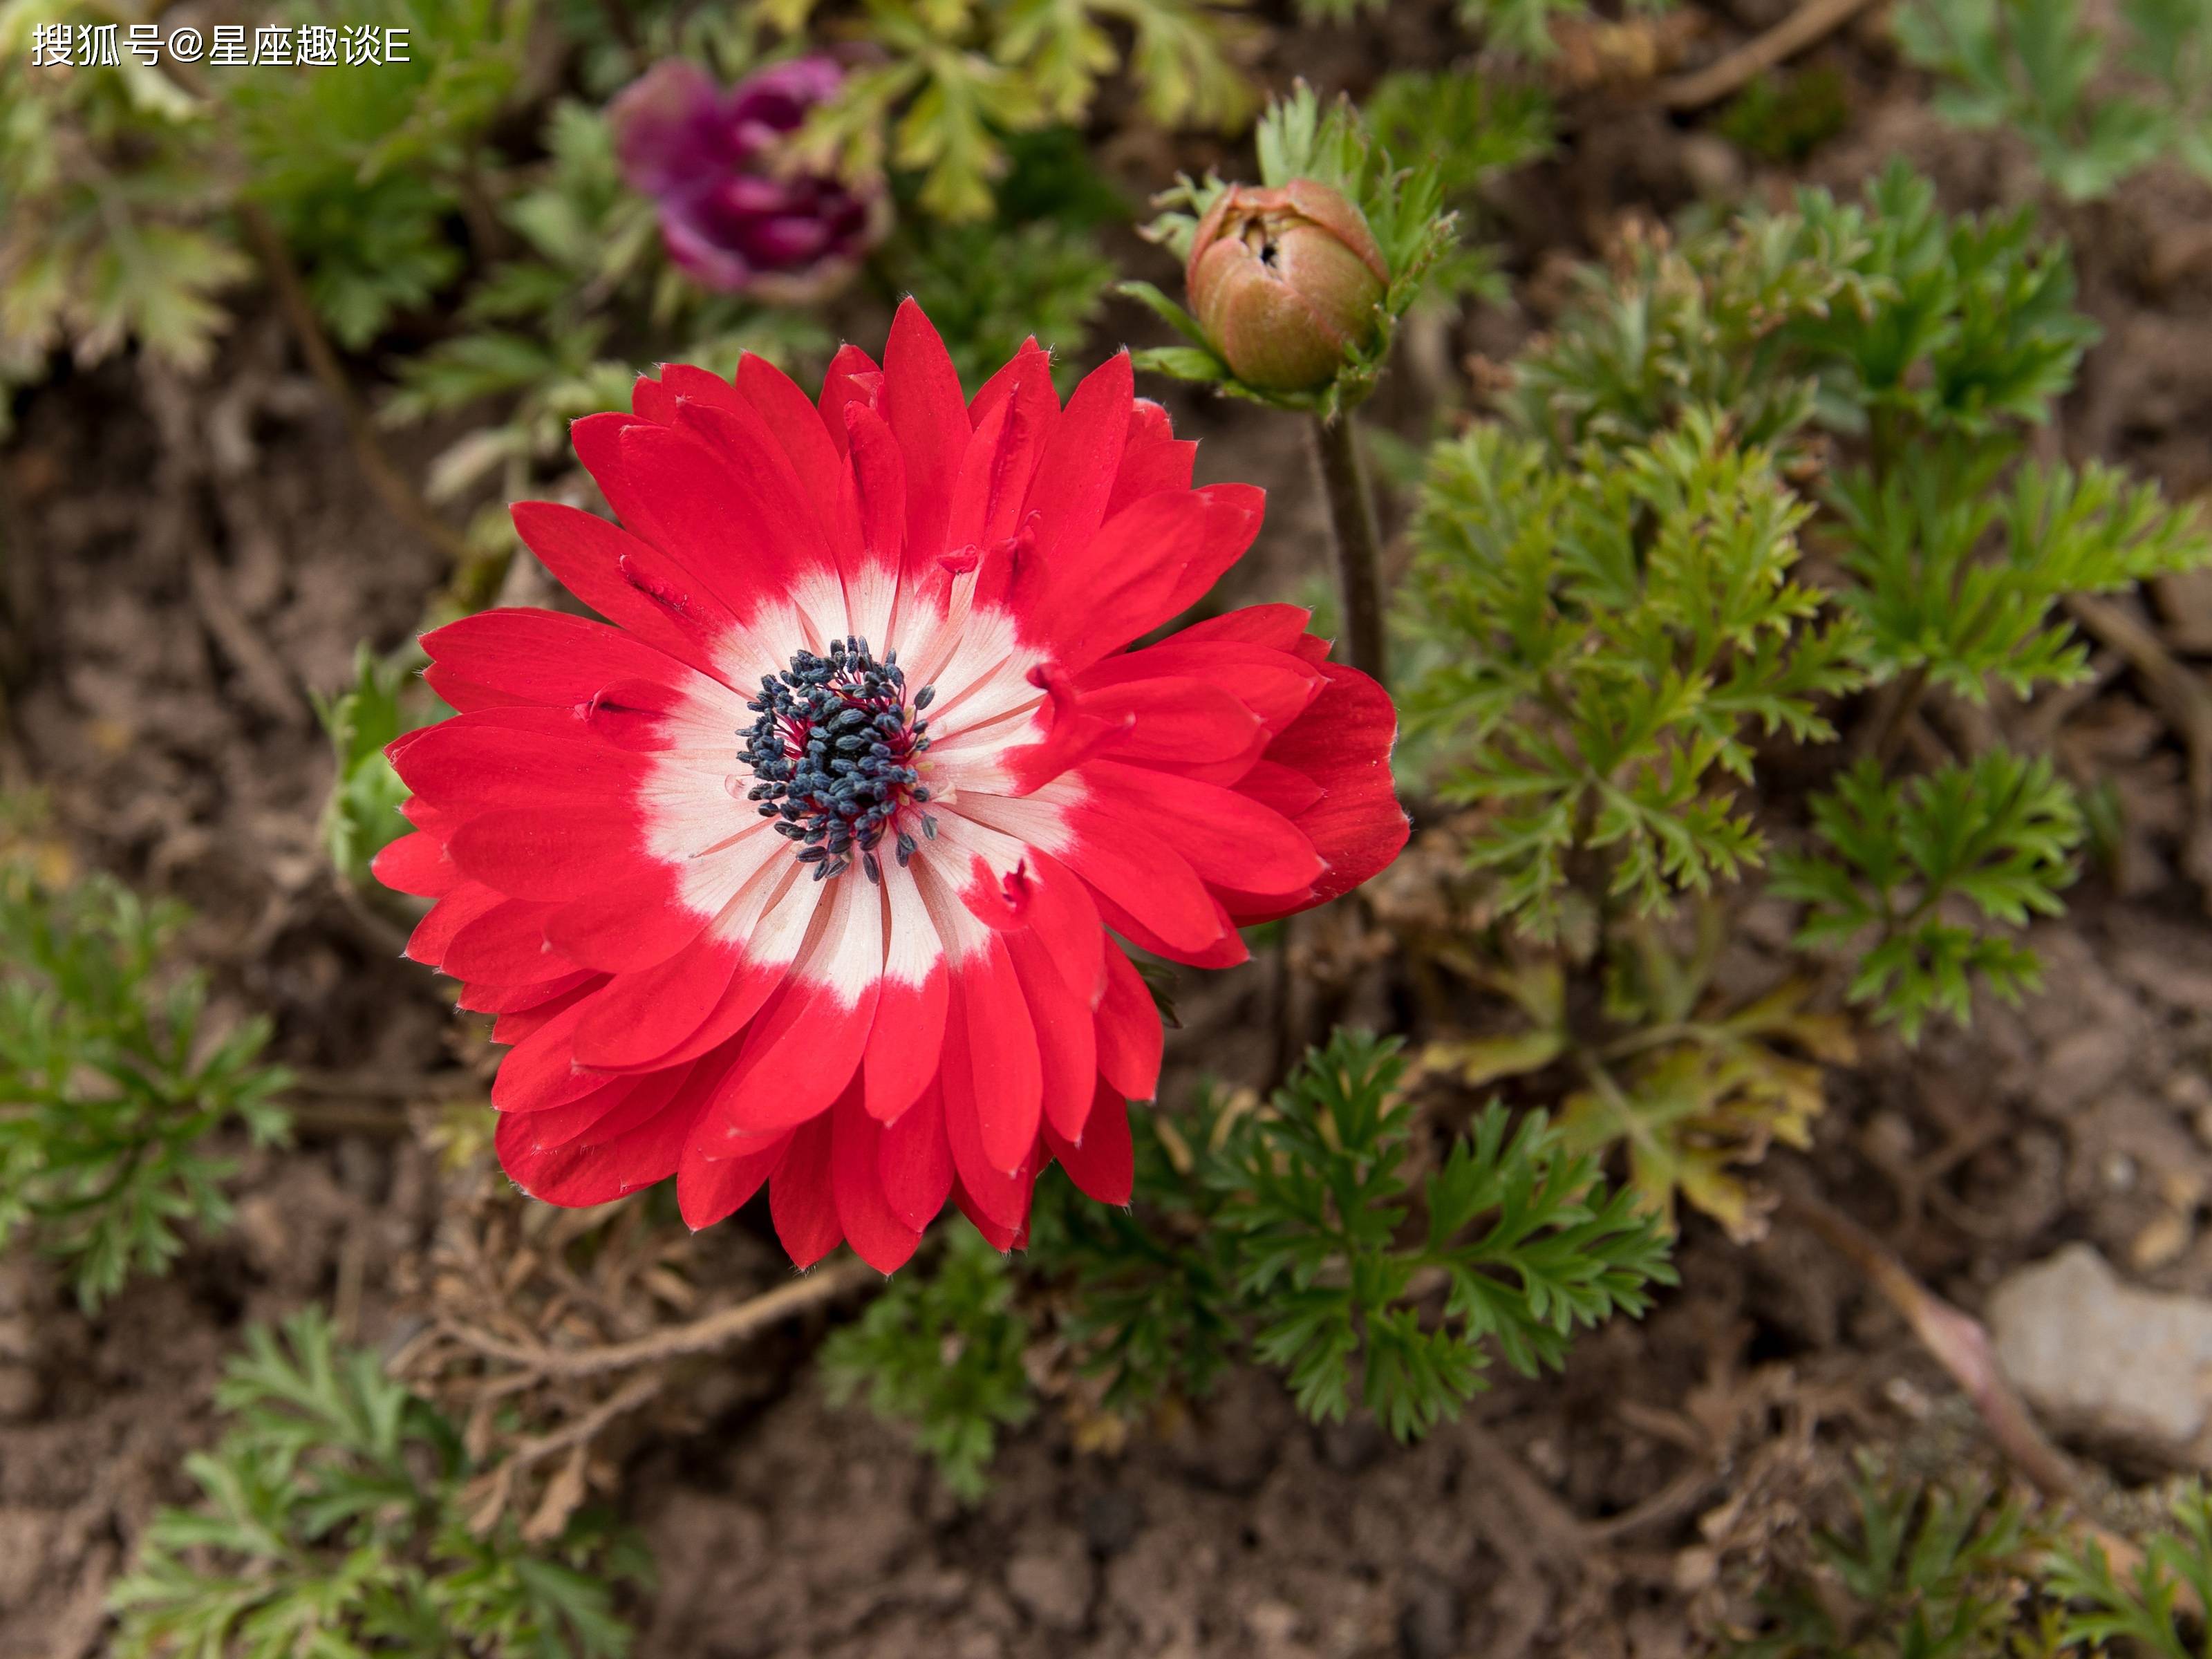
x,y
1920,870
333,1521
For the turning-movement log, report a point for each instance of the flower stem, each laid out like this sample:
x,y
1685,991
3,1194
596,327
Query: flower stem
x,y
1359,545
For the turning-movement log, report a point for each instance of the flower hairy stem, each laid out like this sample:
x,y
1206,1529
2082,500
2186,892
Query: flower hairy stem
x,y
1358,543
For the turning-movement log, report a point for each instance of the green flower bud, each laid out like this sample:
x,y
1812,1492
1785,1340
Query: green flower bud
x,y
1285,283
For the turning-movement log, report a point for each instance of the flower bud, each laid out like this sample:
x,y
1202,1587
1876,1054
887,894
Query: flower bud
x,y
734,215
1286,282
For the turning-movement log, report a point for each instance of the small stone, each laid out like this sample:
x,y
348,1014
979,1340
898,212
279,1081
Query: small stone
x,y
1274,1622
2081,1065
2162,1241
1712,165
2118,1172
2103,1355
1051,1584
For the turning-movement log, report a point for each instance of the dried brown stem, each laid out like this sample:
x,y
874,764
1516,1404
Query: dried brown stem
x,y
1807,26
390,485
699,1336
1955,1339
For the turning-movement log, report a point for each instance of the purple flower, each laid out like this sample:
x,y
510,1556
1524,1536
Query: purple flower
x,y
733,215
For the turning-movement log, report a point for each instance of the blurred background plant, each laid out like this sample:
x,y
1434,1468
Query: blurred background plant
x,y
334,1518
2097,99
121,1109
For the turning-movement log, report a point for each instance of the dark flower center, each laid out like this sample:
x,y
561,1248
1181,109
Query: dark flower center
x,y
834,751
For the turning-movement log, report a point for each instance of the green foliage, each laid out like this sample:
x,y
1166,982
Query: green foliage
x,y
333,1521
544,327
1704,321
107,183
362,814
942,1350
1993,836
365,172
2147,1607
1528,1242
1936,1572
1606,589
2095,102
1294,1233
1932,1574
1296,1222
1034,271
1783,119
1404,208
1154,1308
1618,632
1472,128
110,1089
1959,573
943,85
1967,327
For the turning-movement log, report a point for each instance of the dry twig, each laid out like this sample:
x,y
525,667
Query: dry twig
x,y
700,1336
1807,26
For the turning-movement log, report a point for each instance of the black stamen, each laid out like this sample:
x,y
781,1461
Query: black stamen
x,y
834,753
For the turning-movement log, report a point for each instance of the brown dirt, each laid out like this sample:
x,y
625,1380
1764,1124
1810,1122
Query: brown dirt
x,y
191,560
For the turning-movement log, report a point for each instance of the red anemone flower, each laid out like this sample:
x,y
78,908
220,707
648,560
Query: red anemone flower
x,y
802,872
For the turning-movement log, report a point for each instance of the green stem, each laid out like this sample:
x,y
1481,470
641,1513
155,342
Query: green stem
x,y
1358,543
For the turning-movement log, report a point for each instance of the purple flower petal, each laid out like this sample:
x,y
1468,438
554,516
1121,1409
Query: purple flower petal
x,y
731,214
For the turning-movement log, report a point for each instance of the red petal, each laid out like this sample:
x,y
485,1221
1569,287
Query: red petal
x,y
853,379
816,459
1230,840
1075,476
546,657
1148,563
1067,1039
1003,1079
541,1070
642,1017
433,934
806,1043
799,1197
560,854
710,1189
1153,459
874,1229
1143,876
506,945
635,922
1130,1036
1227,950
915,1160
905,1044
626,580
923,403
416,863
1342,742
1103,1163
577,1175
1000,1237
1003,1195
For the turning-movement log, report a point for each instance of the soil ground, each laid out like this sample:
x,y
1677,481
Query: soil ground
x,y
190,561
